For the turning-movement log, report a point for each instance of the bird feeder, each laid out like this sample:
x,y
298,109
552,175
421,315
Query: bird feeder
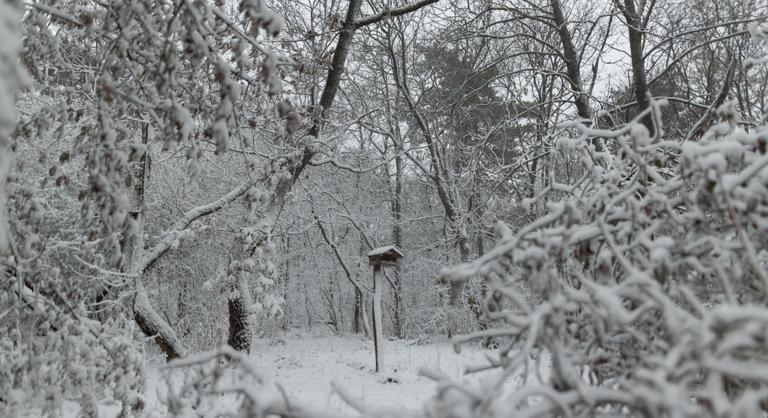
x,y
384,256
378,258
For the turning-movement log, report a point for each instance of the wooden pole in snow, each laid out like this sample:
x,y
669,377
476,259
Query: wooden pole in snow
x,y
377,338
378,258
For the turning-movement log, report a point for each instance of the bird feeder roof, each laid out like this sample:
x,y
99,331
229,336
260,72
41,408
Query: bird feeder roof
x,y
389,250
384,256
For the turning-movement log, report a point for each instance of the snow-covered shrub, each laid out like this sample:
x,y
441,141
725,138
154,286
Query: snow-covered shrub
x,y
63,356
115,84
231,375
652,276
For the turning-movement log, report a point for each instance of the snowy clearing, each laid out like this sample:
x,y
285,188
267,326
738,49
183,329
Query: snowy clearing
x,y
306,366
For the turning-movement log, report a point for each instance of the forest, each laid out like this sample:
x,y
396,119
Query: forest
x,y
384,208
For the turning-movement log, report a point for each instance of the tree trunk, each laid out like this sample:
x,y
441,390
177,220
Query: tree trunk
x,y
153,326
148,320
287,276
338,62
573,67
240,332
356,312
239,301
580,98
640,85
397,234
285,283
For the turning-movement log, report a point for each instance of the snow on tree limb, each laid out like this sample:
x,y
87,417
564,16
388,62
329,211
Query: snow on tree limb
x,y
388,13
153,325
190,216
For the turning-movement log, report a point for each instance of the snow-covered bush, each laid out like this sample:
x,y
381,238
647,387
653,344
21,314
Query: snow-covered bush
x,y
227,374
652,276
114,85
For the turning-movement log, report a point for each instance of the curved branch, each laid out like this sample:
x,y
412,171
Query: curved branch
x,y
155,253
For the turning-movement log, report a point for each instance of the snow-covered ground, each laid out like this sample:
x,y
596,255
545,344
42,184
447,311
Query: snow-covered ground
x,y
306,365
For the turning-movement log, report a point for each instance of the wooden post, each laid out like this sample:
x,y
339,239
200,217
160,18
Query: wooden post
x,y
377,338
378,258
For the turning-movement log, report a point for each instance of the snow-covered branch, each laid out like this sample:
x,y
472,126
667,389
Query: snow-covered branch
x,y
389,13
172,236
